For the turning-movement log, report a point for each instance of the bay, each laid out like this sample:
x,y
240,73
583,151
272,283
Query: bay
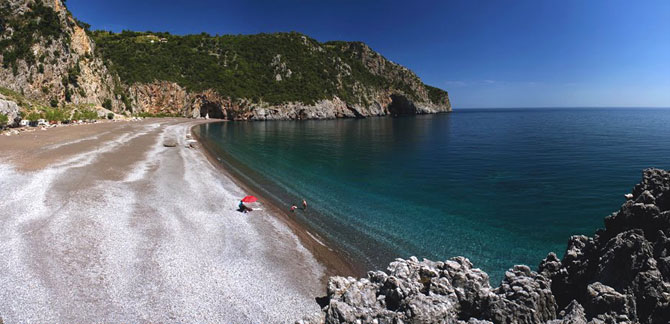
x,y
498,186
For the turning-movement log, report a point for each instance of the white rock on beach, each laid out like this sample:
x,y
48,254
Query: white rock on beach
x,y
9,108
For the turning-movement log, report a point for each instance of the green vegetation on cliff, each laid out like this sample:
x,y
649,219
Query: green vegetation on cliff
x,y
274,68
436,94
61,114
3,120
19,33
23,102
46,62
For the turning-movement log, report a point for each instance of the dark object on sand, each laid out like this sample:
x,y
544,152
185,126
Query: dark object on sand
x,y
248,199
244,208
170,142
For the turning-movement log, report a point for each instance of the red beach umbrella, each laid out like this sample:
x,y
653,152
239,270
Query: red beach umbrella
x,y
249,199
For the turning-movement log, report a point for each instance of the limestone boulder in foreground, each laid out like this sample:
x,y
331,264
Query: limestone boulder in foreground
x,y
620,275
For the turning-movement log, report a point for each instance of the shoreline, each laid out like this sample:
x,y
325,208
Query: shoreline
x,y
106,223
335,261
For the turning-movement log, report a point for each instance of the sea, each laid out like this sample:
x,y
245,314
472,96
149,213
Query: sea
x,y
498,186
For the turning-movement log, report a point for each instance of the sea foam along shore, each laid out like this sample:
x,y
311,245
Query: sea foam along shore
x,y
109,225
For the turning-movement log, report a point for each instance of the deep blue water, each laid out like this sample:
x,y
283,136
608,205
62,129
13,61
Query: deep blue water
x,y
499,186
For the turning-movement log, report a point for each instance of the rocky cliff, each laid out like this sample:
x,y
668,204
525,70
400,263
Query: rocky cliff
x,y
163,97
620,275
49,56
46,55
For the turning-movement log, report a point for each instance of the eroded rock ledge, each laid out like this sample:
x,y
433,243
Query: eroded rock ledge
x,y
169,97
620,275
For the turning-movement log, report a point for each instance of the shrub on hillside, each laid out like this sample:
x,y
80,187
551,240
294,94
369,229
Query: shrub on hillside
x,y
107,104
85,115
158,115
33,116
55,115
3,120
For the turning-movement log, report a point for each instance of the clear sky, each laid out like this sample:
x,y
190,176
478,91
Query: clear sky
x,y
521,53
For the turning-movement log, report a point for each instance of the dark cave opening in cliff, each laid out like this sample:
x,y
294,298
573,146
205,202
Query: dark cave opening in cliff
x,y
400,105
213,110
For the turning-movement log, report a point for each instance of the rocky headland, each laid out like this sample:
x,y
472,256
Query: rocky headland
x,y
50,58
620,275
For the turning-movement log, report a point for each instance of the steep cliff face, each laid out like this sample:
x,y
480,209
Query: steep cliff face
x,y
47,56
163,97
621,275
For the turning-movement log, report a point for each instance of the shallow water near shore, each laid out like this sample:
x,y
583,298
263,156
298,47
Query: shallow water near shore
x,y
499,186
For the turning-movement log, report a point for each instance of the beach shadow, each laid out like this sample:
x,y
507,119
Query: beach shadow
x,y
243,211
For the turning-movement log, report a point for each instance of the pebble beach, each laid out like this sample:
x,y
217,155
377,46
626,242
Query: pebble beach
x,y
105,223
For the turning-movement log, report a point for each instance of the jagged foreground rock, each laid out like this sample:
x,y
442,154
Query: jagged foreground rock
x,y
621,275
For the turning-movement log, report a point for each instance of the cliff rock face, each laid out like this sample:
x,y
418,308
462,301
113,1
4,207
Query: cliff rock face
x,y
621,275
160,97
8,108
263,77
47,56
163,97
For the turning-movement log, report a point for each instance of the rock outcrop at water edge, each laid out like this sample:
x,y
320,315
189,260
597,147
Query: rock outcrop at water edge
x,y
620,275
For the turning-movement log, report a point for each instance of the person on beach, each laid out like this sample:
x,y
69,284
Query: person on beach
x,y
244,208
304,204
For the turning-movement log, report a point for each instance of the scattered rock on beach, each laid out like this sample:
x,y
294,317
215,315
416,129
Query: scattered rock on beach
x,y
170,142
621,275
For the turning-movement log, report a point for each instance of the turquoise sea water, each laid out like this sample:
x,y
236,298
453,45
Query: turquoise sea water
x,y
499,186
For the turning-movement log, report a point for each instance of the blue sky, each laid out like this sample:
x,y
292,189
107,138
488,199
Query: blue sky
x,y
521,53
